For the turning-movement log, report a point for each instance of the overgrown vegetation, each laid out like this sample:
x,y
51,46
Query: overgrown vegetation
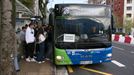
x,y
28,3
128,25
118,24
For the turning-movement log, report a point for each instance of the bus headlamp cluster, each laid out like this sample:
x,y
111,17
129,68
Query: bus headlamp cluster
x,y
59,58
109,55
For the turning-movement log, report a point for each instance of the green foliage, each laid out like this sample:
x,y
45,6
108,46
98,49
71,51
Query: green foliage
x,y
120,33
117,23
27,3
128,25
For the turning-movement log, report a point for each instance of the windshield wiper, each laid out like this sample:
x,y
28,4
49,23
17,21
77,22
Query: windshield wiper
x,y
96,35
57,39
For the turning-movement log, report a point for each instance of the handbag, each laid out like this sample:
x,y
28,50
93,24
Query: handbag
x,y
42,38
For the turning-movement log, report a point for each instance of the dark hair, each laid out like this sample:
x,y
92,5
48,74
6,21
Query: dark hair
x,y
23,27
31,24
26,25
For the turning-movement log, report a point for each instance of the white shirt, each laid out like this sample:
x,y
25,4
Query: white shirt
x,y
29,36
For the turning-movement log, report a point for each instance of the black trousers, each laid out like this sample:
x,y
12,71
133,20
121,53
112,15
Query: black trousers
x,y
24,48
49,50
30,50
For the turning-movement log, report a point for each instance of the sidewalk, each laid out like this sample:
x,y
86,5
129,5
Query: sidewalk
x,y
33,68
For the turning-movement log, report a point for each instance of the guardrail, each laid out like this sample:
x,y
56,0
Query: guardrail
x,y
123,39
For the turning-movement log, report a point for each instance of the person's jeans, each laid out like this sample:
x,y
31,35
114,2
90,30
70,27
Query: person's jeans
x,y
49,51
40,53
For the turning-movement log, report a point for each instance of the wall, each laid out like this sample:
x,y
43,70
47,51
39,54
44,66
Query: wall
x,y
118,9
128,11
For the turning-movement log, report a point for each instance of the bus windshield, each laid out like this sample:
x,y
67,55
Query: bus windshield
x,y
78,29
82,10
82,31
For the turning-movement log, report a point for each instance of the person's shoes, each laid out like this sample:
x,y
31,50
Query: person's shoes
x,y
47,59
39,62
33,60
27,59
43,61
34,57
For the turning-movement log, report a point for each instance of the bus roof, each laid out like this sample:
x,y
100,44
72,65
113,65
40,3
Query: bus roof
x,y
67,4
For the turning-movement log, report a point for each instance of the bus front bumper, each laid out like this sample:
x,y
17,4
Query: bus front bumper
x,y
82,56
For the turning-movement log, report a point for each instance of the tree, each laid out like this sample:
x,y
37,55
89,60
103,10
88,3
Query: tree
x,y
42,7
7,37
128,25
117,22
28,3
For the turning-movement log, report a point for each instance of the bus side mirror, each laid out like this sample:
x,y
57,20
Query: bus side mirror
x,y
51,19
112,24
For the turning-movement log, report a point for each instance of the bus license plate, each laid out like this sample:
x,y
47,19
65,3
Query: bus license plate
x,y
86,62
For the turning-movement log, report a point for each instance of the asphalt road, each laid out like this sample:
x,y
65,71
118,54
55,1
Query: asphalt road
x,y
122,63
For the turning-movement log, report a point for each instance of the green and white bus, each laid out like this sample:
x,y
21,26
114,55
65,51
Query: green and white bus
x,y
82,34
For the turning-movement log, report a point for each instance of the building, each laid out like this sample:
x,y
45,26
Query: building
x,y
129,10
123,10
118,11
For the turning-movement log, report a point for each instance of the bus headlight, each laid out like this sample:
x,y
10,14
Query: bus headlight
x,y
59,57
109,55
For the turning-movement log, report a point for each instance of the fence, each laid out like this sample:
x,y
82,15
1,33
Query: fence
x,y
123,39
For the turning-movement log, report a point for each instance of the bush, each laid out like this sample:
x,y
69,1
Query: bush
x,y
120,33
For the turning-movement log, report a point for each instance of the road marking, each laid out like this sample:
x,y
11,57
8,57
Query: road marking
x,y
132,52
95,71
70,70
117,63
119,48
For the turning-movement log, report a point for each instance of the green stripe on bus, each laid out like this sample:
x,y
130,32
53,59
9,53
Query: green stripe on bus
x,y
63,54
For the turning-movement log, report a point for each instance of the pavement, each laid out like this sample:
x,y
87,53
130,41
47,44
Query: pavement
x,y
122,63
61,70
33,68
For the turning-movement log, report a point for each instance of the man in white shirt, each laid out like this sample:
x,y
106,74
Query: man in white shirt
x,y
30,39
